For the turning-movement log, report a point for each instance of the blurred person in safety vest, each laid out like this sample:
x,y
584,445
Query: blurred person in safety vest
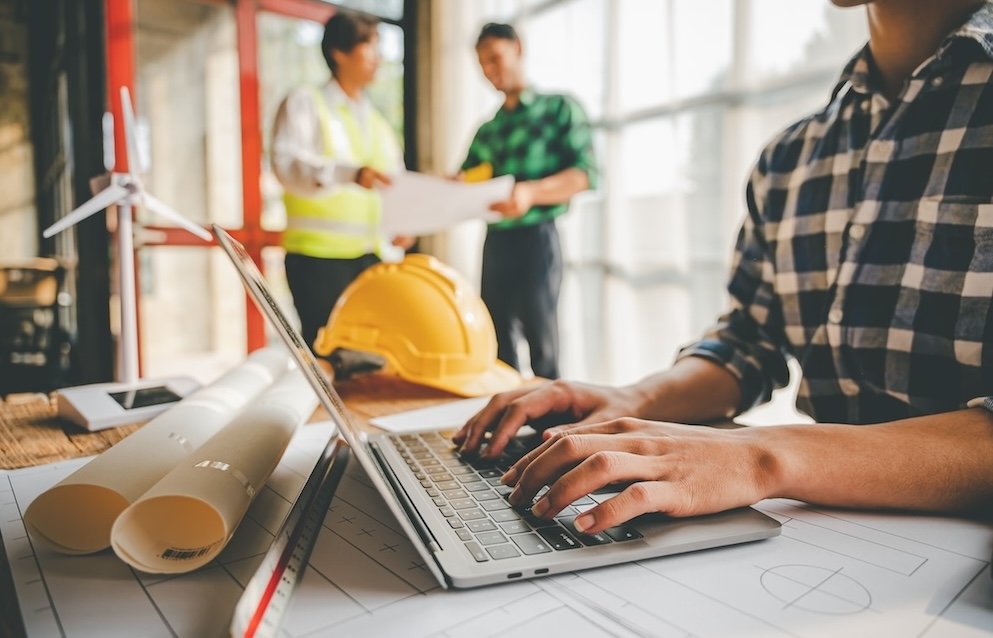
x,y
331,150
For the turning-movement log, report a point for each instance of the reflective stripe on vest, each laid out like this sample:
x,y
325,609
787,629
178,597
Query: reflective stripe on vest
x,y
345,224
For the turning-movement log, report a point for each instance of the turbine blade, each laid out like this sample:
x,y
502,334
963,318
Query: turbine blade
x,y
162,209
135,166
110,195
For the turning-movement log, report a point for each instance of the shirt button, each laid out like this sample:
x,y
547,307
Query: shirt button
x,y
849,387
856,232
937,81
835,315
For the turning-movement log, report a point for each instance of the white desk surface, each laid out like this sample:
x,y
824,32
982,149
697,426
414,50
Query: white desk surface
x,y
830,573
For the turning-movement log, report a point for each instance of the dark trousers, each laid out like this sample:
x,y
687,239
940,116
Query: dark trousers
x,y
316,284
522,276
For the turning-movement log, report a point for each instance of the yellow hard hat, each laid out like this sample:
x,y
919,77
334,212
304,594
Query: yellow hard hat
x,y
425,319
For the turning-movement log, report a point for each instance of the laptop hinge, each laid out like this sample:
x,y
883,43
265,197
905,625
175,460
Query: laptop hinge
x,y
413,516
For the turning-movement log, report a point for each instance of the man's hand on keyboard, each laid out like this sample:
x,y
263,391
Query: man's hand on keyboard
x,y
679,470
551,407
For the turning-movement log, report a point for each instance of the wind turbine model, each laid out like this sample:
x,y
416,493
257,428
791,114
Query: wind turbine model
x,y
93,406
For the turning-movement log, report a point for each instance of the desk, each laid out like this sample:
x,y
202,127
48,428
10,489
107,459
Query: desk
x,y
31,434
874,575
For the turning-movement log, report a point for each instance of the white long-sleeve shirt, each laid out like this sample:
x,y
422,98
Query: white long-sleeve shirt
x,y
299,157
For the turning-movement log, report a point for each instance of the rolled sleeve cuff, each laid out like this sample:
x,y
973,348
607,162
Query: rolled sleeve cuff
x,y
981,402
592,175
755,387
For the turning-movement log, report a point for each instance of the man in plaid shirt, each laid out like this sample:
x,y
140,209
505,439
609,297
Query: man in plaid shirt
x,y
867,254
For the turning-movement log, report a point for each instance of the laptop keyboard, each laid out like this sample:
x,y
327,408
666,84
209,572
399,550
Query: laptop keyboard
x,y
468,493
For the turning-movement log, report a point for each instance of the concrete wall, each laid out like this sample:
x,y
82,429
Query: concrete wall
x,y
18,232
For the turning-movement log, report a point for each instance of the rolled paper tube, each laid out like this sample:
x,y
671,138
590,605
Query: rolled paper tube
x,y
187,518
76,515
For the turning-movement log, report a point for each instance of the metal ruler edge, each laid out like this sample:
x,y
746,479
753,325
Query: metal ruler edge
x,y
260,610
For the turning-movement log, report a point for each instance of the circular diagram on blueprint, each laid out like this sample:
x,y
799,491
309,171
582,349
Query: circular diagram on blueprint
x,y
816,589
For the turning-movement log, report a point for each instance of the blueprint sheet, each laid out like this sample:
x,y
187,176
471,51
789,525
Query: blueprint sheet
x,y
831,573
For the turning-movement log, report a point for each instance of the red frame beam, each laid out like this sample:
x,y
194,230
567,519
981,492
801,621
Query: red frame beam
x,y
120,72
251,154
175,236
303,9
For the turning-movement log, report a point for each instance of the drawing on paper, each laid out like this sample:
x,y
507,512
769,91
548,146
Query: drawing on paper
x,y
816,589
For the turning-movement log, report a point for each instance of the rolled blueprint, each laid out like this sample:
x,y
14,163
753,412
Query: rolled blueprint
x,y
188,517
76,515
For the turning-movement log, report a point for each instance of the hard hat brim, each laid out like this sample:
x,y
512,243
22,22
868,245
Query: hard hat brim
x,y
499,377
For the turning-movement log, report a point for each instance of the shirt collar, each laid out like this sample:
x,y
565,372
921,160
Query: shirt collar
x,y
337,97
978,28
525,99
855,73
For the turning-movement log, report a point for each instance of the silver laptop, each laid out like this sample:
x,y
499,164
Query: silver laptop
x,y
455,509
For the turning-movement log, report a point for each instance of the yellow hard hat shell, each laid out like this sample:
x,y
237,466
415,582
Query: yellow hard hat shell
x,y
425,319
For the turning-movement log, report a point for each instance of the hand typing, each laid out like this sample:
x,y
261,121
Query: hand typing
x,y
549,407
679,470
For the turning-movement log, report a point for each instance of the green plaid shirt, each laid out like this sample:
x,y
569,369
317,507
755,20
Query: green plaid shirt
x,y
542,136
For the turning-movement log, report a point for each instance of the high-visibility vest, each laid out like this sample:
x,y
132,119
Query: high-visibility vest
x,y
344,224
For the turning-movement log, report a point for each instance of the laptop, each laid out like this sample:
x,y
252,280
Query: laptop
x,y
455,510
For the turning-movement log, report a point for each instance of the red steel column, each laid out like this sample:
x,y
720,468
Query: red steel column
x,y
120,72
251,154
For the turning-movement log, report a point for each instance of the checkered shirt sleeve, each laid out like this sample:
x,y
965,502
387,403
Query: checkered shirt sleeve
x,y
867,250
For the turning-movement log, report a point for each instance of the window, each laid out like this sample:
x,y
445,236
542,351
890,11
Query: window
x,y
392,9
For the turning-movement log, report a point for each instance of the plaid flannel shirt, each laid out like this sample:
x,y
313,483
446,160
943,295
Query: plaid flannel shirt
x,y
543,135
867,251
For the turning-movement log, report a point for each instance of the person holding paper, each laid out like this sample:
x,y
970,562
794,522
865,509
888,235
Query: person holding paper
x,y
331,148
866,254
546,143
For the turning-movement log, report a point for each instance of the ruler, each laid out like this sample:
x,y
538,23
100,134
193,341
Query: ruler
x,y
267,596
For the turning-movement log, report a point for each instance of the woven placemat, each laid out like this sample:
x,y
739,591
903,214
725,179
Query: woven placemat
x,y
32,434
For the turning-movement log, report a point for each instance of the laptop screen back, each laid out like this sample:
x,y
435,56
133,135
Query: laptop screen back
x,y
258,290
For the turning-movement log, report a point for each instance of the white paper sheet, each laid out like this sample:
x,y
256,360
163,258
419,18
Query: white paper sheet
x,y
76,515
446,415
831,573
420,204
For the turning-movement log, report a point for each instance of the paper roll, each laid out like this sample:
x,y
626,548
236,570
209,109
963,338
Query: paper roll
x,y
187,518
76,515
